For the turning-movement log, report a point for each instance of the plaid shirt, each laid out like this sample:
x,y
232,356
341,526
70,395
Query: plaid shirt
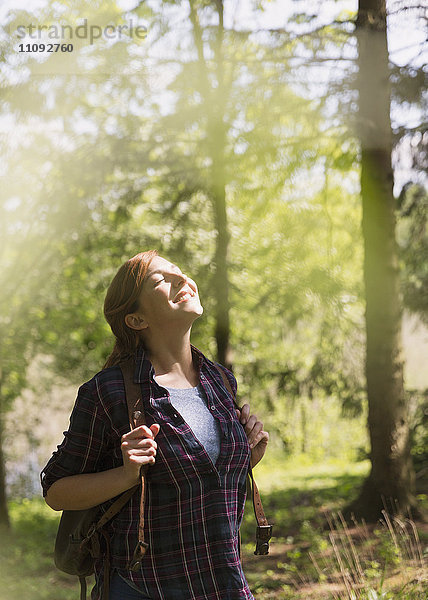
x,y
193,509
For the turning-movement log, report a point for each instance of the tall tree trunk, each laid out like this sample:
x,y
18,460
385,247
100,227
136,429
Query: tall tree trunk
x,y
215,100
221,277
217,133
303,428
390,483
4,513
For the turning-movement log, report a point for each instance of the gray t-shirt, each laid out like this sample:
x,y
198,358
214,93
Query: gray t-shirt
x,y
191,403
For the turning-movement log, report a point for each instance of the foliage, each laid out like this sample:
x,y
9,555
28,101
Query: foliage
x,y
143,181
419,431
413,244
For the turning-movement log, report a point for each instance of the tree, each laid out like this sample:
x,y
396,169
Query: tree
x,y
215,99
202,150
391,478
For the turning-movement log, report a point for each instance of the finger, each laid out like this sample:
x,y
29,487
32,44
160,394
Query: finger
x,y
245,413
155,428
238,413
139,443
254,433
142,452
141,460
250,424
139,432
261,438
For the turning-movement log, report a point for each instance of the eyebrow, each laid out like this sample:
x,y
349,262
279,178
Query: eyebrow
x,y
161,271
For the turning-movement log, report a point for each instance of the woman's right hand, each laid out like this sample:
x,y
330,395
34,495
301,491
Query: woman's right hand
x,y
138,449
85,490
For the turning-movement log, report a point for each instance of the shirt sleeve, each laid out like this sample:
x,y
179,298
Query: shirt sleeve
x,y
83,443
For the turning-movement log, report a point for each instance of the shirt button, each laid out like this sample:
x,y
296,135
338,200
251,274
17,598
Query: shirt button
x,y
137,414
212,407
175,415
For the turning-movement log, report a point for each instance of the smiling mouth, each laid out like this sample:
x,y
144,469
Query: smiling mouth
x,y
183,296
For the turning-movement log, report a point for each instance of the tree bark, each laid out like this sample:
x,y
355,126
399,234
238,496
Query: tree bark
x,y
4,513
217,132
221,276
390,483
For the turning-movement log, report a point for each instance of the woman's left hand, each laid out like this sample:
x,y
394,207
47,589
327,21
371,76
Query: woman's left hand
x,y
257,438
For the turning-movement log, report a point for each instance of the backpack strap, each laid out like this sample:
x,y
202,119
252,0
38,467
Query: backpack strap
x,y
109,514
83,588
264,530
92,539
136,418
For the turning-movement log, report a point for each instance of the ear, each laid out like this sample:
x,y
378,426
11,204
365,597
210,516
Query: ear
x,y
136,321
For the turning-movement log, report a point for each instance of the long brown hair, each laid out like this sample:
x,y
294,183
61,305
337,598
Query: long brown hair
x,y
122,299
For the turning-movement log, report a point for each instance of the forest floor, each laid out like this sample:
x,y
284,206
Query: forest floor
x,y
313,555
316,555
277,576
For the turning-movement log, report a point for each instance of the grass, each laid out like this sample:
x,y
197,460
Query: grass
x,y
314,555
294,492
27,571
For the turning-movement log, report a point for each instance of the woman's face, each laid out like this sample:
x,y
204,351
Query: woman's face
x,y
168,295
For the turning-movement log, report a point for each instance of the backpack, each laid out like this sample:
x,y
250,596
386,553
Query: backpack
x,y
80,532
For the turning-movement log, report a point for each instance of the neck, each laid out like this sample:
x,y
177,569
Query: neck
x,y
171,356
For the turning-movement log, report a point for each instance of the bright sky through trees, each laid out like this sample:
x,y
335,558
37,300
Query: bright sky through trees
x,y
406,36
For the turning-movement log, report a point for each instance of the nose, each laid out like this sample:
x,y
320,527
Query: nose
x,y
180,278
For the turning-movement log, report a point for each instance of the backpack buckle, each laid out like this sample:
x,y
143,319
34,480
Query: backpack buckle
x,y
263,535
139,552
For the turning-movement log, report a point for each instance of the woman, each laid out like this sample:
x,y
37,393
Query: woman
x,y
198,447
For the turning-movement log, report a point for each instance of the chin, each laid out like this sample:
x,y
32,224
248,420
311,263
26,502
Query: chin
x,y
196,307
198,310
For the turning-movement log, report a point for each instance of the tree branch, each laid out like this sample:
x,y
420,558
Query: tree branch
x,y
197,36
